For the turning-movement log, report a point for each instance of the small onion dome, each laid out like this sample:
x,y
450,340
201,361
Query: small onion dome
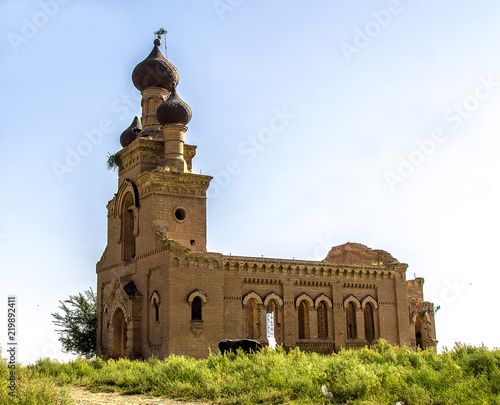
x,y
155,71
173,110
131,133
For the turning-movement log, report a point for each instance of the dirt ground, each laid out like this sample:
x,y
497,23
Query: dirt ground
x,y
83,396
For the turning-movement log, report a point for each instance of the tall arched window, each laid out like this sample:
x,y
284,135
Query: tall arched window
x,y
322,321
272,307
128,238
369,323
155,302
196,314
252,319
303,320
418,331
351,321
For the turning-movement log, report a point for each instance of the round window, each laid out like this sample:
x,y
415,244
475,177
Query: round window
x,y
180,214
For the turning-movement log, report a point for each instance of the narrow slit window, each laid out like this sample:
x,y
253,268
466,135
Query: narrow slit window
x,y
157,312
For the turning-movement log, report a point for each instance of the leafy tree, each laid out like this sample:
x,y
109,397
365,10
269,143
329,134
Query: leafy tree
x,y
78,323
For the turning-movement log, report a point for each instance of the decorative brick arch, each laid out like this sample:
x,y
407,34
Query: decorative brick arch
x,y
252,295
128,186
115,307
423,314
354,300
273,296
197,293
303,297
369,299
323,297
155,297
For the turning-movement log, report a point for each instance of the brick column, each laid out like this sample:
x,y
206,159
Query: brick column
x,y
289,324
313,323
401,296
360,323
339,321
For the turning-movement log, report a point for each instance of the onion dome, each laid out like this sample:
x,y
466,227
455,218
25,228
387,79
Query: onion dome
x,y
131,133
155,71
173,110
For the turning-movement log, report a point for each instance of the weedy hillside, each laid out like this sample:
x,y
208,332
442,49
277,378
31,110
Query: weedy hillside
x,y
381,374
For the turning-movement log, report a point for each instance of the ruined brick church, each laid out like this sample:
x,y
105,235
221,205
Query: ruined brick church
x,y
161,293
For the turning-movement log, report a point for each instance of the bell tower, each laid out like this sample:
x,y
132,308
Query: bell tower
x,y
159,198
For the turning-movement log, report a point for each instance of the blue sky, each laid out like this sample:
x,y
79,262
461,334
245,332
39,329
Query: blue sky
x,y
322,122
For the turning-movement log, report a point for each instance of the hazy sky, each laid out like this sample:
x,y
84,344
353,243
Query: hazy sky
x,y
322,122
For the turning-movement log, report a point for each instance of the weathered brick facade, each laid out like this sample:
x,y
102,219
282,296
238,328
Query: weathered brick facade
x,y
160,292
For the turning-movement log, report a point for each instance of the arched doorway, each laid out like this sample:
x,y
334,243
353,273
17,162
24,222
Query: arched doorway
x,y
119,334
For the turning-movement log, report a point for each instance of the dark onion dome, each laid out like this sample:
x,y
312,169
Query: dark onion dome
x,y
173,110
155,71
131,133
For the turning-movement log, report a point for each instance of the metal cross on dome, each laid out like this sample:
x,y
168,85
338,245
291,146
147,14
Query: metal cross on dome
x,y
159,33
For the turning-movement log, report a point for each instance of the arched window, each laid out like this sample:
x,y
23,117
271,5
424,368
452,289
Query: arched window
x,y
351,321
303,320
418,331
272,308
127,217
369,323
252,319
155,302
322,321
196,309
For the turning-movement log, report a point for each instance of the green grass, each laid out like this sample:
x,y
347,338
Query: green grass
x,y
32,388
379,375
